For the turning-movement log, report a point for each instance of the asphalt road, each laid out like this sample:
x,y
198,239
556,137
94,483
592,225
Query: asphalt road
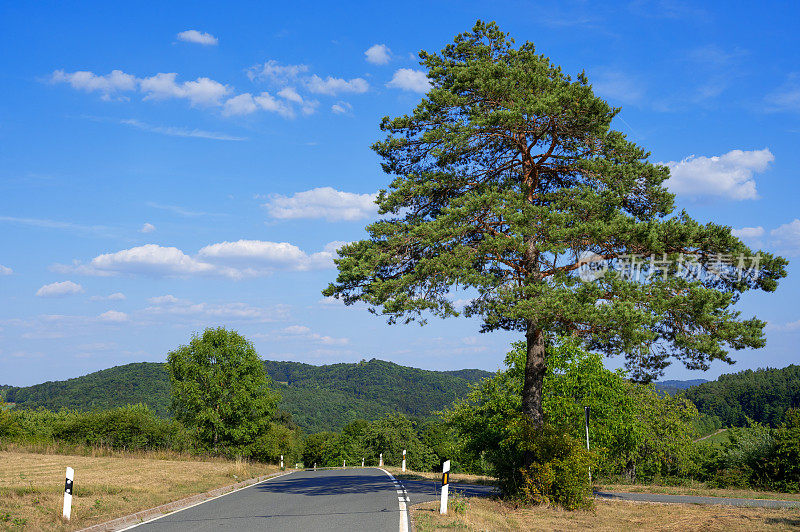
x,y
695,499
330,500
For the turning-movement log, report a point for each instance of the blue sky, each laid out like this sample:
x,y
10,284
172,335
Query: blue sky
x,y
168,168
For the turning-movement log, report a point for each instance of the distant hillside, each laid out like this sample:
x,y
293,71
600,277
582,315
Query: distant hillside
x,y
673,387
318,397
763,395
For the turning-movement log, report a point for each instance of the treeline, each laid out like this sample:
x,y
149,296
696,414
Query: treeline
x,y
319,398
763,396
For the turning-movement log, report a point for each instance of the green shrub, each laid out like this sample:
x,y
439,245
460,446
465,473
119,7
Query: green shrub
x,y
560,469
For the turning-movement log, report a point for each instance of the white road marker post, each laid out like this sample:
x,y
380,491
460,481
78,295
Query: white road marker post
x,y
281,462
380,460
404,460
362,462
586,411
315,466
344,464
68,493
445,487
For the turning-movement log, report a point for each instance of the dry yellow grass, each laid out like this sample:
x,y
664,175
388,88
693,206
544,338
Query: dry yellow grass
x,y
495,515
456,477
106,487
700,489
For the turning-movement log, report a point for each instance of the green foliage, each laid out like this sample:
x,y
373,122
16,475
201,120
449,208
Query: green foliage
x,y
220,389
503,176
131,428
319,398
634,429
559,468
763,395
783,461
368,439
142,382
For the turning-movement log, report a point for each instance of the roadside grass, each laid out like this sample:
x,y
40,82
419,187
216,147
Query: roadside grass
x,y
698,488
107,486
481,514
715,439
463,478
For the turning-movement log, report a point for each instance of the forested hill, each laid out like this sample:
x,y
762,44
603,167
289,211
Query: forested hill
x,y
318,397
674,387
762,395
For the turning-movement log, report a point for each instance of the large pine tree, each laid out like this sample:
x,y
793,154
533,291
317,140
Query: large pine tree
x,y
507,178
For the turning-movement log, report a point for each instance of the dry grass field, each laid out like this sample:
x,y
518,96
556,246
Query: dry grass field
x,y
106,487
494,515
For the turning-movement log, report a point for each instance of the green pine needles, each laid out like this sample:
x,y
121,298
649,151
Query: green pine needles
x,y
507,180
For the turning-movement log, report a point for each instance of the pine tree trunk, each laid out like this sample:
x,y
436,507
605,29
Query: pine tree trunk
x,y
535,367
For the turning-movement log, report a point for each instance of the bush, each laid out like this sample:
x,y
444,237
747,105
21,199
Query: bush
x,y
783,462
559,472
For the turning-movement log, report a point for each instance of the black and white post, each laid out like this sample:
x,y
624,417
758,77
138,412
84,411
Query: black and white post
x,y
404,460
68,493
344,464
362,462
281,462
586,412
380,460
445,487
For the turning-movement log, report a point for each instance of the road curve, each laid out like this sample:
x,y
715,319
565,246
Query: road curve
x,y
330,500
695,499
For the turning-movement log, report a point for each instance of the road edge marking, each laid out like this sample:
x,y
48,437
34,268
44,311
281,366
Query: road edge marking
x,y
401,502
205,501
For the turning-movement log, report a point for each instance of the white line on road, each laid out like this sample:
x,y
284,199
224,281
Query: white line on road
x,y
401,502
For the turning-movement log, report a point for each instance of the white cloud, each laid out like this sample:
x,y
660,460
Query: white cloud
x,y
113,316
168,305
197,37
617,86
290,94
341,107
150,259
173,131
786,97
235,260
409,79
5,270
305,332
275,73
254,253
787,237
108,84
147,228
323,202
64,288
201,92
333,86
242,104
98,230
163,300
116,296
246,104
307,106
748,233
378,54
728,176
